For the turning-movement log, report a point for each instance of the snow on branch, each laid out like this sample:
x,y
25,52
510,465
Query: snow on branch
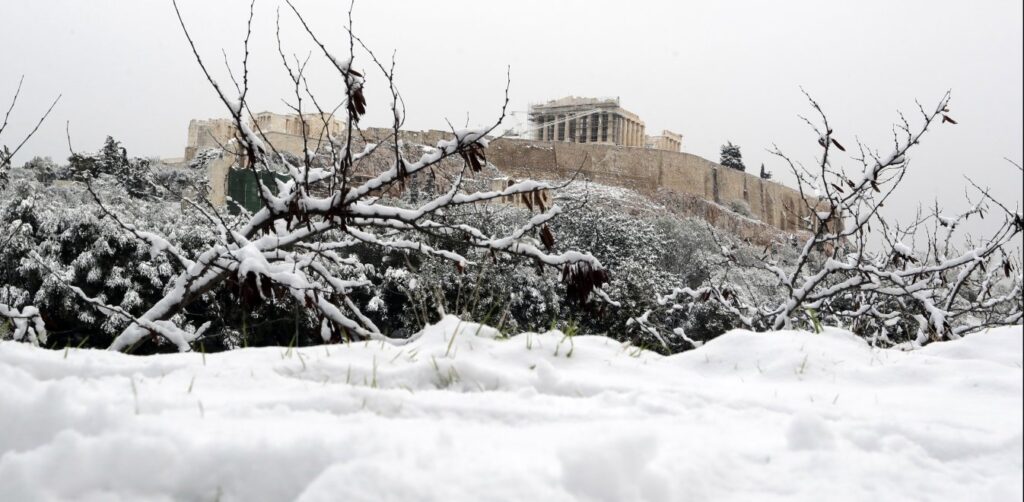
x,y
332,197
860,270
28,323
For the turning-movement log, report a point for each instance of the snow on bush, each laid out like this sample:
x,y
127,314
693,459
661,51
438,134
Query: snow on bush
x,y
856,268
293,251
58,229
645,249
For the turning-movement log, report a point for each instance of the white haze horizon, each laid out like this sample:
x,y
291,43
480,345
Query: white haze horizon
x,y
714,72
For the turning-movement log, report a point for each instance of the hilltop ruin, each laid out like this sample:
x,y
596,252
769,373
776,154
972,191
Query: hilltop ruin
x,y
593,140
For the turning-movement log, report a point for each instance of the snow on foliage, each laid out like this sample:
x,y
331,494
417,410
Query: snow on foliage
x,y
28,325
60,229
290,254
646,248
731,157
892,294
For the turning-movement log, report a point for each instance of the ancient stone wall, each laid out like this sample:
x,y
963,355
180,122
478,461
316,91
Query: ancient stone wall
x,y
429,137
206,134
642,169
213,133
647,171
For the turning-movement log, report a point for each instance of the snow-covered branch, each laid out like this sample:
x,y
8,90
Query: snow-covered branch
x,y
862,271
335,196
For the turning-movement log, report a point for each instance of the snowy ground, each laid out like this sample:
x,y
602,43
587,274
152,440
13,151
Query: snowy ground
x,y
535,417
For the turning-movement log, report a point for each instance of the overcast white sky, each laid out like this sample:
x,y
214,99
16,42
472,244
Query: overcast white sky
x,y
711,70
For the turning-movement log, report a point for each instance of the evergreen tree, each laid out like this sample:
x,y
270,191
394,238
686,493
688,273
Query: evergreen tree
x,y
44,168
731,157
765,175
37,163
113,159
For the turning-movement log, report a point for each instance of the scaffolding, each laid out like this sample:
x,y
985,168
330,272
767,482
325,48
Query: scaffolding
x,y
585,120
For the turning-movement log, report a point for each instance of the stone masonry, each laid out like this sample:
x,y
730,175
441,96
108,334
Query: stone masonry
x,y
282,131
650,172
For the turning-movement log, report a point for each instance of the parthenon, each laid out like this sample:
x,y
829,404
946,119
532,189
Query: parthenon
x,y
587,120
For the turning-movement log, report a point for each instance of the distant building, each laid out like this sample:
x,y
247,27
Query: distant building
x,y
587,120
668,141
282,131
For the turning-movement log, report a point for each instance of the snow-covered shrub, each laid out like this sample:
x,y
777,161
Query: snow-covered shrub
x,y
856,270
741,207
26,321
56,237
175,181
644,251
70,235
44,169
112,159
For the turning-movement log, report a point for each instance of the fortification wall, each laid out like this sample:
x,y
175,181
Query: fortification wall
x,y
428,137
647,171
644,170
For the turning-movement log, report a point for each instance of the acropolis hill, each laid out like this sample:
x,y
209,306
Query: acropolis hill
x,y
594,140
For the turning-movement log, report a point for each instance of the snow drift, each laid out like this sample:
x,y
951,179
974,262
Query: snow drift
x,y
465,414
